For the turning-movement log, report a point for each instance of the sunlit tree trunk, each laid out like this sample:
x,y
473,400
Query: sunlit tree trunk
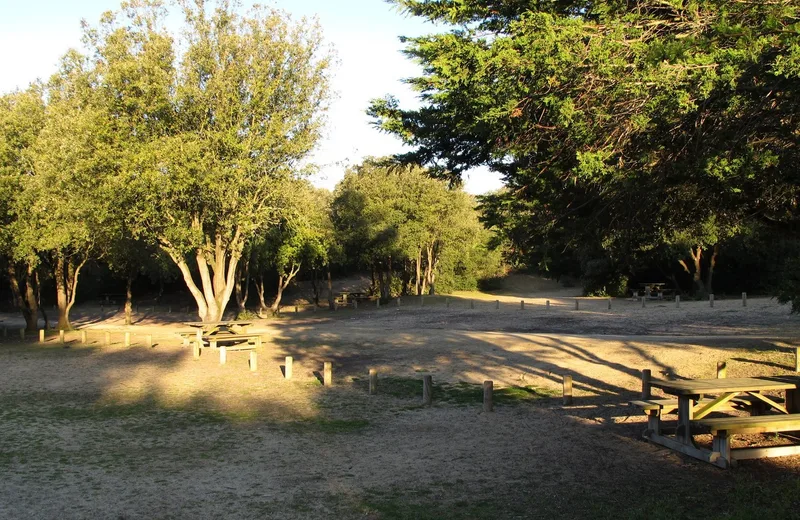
x,y
23,291
129,299
242,287
283,282
66,278
712,264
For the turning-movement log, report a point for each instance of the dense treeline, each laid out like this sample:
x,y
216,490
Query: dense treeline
x,y
182,156
634,137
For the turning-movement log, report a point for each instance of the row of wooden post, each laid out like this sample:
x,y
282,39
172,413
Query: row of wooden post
x,y
84,337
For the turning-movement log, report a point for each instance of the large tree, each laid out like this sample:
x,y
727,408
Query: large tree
x,y
616,125
209,136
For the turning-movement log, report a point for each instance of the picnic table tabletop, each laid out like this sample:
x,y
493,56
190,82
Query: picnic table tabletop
x,y
724,385
212,324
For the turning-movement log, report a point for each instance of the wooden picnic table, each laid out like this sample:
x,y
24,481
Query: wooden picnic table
x,y
218,330
693,405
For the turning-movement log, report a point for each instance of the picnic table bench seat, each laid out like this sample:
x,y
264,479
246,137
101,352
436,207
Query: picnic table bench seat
x,y
247,341
667,406
723,427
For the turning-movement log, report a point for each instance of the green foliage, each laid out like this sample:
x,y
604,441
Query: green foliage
x,y
618,127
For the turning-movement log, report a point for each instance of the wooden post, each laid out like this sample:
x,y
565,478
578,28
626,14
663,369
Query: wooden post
x,y
744,299
102,309
287,367
373,381
327,374
646,384
711,300
61,338
41,335
150,340
22,333
223,354
488,388
644,299
253,361
567,390
378,303
196,350
422,301
722,369
609,304
577,305
355,305
107,339
547,305
5,332
427,390
198,336
522,305
296,309
127,339
169,310
497,304
797,359
84,338
447,302
677,301
398,303
472,304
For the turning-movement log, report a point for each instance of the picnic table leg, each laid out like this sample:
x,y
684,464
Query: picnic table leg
x,y
793,400
684,433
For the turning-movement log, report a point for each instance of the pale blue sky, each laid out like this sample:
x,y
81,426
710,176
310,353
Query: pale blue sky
x,y
364,33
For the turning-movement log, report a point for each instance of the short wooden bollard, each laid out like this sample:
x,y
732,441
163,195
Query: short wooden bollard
x,y
22,333
522,305
41,335
169,310
577,305
422,301
497,304
744,299
609,304
711,300
677,300
797,359
61,337
149,338
488,389
547,305
84,337
355,305
646,376
127,339
5,332
398,303
722,369
253,361
472,304
327,374
196,350
287,367
447,302
102,309
107,339
373,381
378,303
223,355
644,299
296,309
198,336
567,390
427,390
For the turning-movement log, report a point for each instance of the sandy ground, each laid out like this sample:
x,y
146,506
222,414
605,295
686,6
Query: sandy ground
x,y
113,432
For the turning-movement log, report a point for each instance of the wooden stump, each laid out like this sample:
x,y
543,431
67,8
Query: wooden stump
x,y
427,390
223,355
84,338
253,361
566,385
373,381
488,389
41,335
327,374
646,376
722,369
287,367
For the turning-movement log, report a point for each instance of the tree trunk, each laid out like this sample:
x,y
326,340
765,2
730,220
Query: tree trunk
x,y
417,286
697,275
406,278
430,273
217,268
388,291
61,293
129,299
283,282
242,293
262,305
331,301
712,264
25,296
39,300
315,286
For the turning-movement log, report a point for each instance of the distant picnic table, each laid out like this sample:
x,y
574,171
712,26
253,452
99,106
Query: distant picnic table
x,y
693,406
652,290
